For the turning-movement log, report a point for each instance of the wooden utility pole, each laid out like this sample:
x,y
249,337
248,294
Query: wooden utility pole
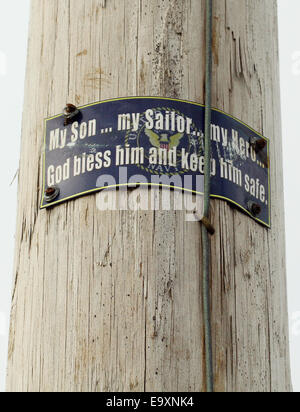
x,y
111,300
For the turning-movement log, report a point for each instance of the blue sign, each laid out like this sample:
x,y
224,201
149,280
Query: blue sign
x,y
155,142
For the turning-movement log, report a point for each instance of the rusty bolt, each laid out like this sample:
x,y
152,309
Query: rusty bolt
x,y
70,112
254,208
258,144
51,193
70,108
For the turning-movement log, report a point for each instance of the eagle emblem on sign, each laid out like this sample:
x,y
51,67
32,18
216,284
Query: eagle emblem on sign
x,y
164,141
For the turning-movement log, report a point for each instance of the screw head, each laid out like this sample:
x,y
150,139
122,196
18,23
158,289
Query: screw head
x,y
261,144
51,193
70,108
254,208
70,112
258,144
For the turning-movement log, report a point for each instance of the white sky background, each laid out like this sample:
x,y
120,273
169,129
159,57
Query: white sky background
x,y
14,20
289,42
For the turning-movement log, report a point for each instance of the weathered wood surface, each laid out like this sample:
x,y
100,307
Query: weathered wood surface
x,y
111,301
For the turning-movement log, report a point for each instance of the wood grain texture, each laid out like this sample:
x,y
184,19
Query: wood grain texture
x,y
111,300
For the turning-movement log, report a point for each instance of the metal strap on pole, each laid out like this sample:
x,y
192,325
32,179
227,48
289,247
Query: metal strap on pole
x,y
206,221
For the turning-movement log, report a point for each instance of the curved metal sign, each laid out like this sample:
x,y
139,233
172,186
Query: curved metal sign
x,y
155,142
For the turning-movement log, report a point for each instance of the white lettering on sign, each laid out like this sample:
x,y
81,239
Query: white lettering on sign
x,y
153,138
59,137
